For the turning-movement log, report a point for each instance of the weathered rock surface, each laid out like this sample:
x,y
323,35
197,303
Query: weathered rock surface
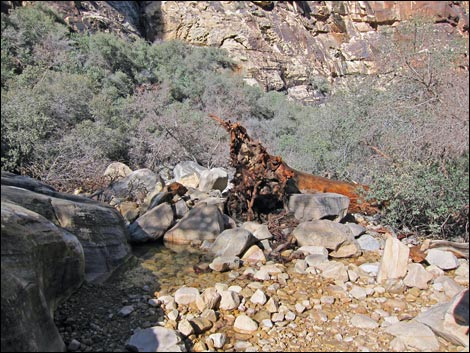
x,y
232,242
199,224
117,170
214,179
331,235
42,265
394,262
288,45
448,319
136,185
99,228
153,224
307,207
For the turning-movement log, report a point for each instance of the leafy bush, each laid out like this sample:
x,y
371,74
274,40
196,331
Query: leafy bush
x,y
72,103
426,198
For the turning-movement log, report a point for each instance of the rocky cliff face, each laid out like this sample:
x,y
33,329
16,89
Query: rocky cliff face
x,y
280,45
290,44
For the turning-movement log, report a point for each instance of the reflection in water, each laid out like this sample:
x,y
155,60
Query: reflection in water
x,y
174,266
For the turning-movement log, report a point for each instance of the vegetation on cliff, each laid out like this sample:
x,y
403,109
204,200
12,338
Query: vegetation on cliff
x,y
72,103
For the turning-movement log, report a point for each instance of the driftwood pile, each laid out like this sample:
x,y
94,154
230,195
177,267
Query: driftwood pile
x,y
262,183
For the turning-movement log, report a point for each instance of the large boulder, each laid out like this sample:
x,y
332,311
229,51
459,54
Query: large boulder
x,y
153,224
117,170
307,207
334,236
204,222
187,168
232,242
136,185
100,228
449,320
214,179
41,266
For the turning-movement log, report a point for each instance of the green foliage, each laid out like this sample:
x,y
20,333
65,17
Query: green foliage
x,y
72,103
425,198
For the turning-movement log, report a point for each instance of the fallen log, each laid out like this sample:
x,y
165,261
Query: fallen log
x,y
263,182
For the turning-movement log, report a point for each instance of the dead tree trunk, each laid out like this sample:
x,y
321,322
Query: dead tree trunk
x,y
263,182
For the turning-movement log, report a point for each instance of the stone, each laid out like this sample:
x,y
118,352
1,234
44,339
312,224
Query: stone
x,y
369,243
315,259
356,229
126,311
232,242
187,168
185,327
74,345
347,249
201,324
414,336
229,300
201,223
153,224
417,276
449,320
358,292
313,250
209,314
135,185
324,233
272,305
214,179
225,263
189,180
208,299
245,324
156,339
333,270
253,256
394,262
260,231
181,208
363,321
370,268
218,339
449,286
258,297
117,170
186,295
445,260
307,207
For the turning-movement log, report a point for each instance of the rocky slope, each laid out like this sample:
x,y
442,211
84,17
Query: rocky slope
x,y
279,45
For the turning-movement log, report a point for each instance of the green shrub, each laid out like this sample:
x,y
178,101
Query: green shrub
x,y
426,198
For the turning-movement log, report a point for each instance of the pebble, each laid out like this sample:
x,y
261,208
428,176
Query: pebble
x,y
74,345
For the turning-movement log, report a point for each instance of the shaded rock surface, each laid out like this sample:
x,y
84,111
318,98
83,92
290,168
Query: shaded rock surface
x,y
100,228
42,265
201,223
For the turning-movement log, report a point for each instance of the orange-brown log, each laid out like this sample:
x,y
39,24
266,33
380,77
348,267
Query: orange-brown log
x,y
259,175
309,183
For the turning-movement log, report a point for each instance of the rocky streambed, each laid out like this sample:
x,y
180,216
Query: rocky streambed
x,y
294,305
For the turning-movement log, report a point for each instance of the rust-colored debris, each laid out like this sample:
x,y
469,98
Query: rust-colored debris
x,y
262,182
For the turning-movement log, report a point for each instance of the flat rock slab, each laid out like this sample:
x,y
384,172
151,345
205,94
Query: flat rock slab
x,y
307,207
